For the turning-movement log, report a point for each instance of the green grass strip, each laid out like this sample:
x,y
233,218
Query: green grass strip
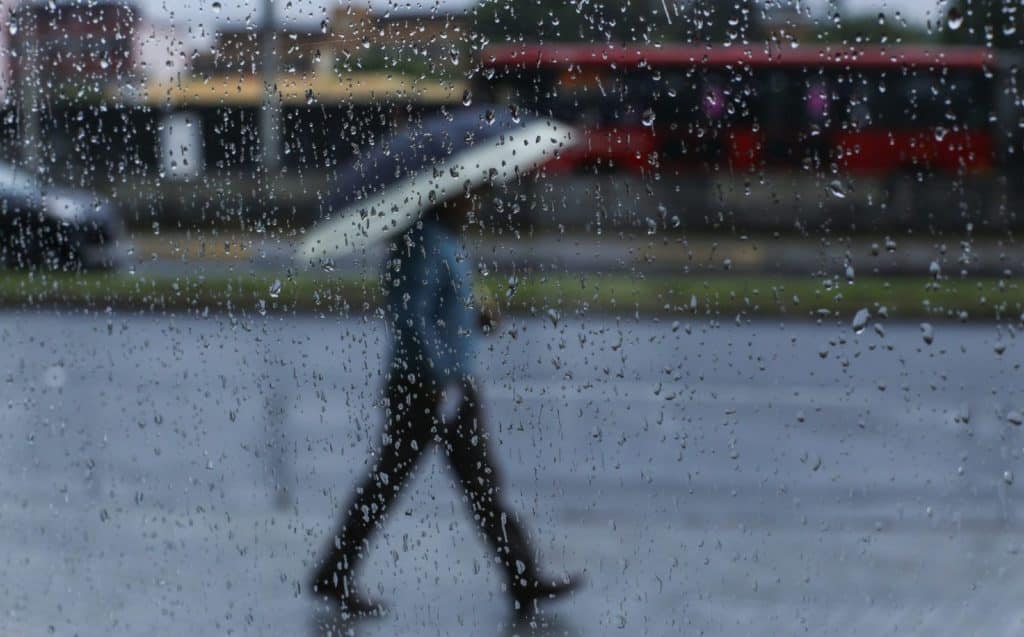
x,y
722,296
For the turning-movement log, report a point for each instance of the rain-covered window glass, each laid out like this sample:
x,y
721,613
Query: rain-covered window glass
x,y
504,317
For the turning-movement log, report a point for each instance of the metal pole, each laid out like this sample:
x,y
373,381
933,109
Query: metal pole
x,y
270,132
28,79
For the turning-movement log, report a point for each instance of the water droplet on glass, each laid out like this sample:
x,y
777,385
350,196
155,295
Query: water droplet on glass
x,y
467,98
1008,477
55,377
1014,417
648,118
860,320
275,289
513,285
954,19
216,7
835,188
927,333
554,316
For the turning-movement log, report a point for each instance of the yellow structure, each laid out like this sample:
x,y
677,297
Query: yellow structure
x,y
294,89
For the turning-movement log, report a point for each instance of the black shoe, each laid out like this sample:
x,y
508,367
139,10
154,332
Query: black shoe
x,y
526,595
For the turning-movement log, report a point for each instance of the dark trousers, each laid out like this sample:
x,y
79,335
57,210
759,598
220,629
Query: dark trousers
x,y
411,427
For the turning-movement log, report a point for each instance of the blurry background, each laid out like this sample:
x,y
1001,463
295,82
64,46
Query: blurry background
x,y
708,114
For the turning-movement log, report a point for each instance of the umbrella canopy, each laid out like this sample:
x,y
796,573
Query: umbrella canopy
x,y
383,192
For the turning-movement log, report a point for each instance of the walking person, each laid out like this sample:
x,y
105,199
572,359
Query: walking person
x,y
430,308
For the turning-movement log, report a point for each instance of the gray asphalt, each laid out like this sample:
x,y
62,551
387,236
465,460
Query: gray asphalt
x,y
170,476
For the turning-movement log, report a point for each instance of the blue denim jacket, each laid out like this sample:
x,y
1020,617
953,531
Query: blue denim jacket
x,y
430,304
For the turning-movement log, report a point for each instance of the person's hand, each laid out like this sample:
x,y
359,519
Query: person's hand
x,y
489,321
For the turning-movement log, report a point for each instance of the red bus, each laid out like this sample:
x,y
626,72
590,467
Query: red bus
x,y
868,110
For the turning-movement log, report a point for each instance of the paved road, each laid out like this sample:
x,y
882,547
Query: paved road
x,y
174,477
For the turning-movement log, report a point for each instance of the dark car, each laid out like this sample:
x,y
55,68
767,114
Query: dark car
x,y
53,227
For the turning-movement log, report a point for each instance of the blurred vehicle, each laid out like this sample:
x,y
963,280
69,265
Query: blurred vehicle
x,y
53,227
872,110
897,136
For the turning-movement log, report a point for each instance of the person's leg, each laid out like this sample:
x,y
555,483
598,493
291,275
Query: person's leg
x,y
468,450
408,431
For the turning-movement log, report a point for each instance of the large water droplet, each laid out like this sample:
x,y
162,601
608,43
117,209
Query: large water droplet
x,y
836,189
513,286
554,316
275,289
954,19
860,320
927,333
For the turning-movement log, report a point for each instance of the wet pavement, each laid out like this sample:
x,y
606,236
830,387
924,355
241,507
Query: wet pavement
x,y
176,476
